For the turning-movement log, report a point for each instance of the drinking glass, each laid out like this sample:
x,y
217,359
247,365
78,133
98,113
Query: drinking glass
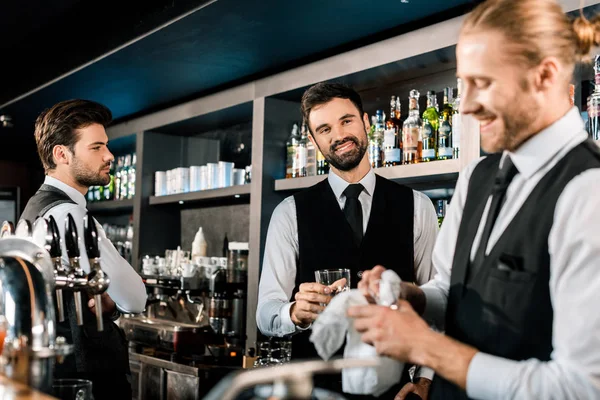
x,y
338,279
72,389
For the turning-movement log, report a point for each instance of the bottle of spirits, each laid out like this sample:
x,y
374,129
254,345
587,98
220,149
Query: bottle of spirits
x,y
391,143
445,131
322,164
456,121
90,194
594,104
430,128
572,94
441,210
376,140
299,167
311,153
125,177
411,131
291,146
131,177
118,173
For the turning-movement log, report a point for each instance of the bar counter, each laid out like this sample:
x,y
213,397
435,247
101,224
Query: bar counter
x,y
11,390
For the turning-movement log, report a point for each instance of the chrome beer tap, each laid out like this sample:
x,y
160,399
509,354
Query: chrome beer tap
x,y
77,277
61,278
8,229
97,279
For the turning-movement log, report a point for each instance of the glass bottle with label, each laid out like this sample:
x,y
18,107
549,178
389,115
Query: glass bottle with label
x,y
411,131
118,172
430,128
594,104
125,177
456,121
445,131
391,143
441,210
299,167
376,141
291,145
311,153
131,177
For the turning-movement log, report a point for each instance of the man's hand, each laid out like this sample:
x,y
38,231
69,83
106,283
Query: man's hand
x,y
420,388
308,305
108,305
369,287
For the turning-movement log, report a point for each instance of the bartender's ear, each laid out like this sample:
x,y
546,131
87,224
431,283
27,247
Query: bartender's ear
x,y
61,154
366,122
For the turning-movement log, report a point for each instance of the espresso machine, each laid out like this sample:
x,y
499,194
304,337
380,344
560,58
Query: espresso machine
x,y
192,333
32,278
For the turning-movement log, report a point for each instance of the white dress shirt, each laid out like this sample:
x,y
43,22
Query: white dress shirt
x,y
278,277
574,246
126,288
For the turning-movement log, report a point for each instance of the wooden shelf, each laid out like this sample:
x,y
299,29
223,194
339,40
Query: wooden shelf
x,y
202,195
111,206
435,170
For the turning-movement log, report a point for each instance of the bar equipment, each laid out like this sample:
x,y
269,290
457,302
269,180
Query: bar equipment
x,y
97,279
77,277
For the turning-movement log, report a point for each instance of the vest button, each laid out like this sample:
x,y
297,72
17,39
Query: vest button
x,y
359,274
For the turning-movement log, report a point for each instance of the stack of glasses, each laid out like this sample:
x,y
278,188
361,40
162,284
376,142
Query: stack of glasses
x,y
195,178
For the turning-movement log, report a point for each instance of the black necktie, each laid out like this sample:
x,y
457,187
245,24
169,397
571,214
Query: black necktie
x,y
353,210
503,178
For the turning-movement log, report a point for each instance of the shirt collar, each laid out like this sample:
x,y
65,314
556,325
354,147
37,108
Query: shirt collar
x,y
539,150
338,184
73,193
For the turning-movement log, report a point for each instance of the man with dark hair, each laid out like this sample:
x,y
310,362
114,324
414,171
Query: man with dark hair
x,y
354,219
72,145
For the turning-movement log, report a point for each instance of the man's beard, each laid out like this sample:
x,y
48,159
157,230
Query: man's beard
x,y
350,160
85,177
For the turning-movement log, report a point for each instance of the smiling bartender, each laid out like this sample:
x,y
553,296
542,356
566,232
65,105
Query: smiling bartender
x,y
72,145
518,281
354,219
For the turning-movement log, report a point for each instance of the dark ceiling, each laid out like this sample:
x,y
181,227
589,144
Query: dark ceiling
x,y
223,44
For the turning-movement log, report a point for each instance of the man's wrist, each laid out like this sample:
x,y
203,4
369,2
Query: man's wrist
x,y
295,321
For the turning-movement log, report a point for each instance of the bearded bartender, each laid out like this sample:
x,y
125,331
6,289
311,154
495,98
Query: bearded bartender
x,y
518,282
354,219
72,145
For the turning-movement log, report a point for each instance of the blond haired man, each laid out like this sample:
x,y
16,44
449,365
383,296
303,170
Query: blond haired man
x,y
517,257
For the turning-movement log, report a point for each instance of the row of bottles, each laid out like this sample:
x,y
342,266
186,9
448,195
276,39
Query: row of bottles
x,y
302,157
434,135
122,181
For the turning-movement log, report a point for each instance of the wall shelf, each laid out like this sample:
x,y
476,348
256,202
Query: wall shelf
x,y
111,206
240,191
435,170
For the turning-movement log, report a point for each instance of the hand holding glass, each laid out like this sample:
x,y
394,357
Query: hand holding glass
x,y
337,279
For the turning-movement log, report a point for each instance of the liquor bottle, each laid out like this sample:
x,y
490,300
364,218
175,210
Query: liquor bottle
x,y
411,131
125,177
572,95
444,144
441,210
118,173
291,145
322,164
376,140
391,144
131,177
594,104
311,152
90,195
299,167
456,121
430,128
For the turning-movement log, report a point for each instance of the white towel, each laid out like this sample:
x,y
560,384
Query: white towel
x,y
332,325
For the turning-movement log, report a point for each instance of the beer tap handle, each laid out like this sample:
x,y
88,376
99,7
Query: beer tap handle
x,y
8,229
55,251
98,281
23,229
72,244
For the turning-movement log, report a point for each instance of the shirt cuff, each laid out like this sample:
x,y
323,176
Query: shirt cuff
x,y
489,376
424,372
287,324
435,306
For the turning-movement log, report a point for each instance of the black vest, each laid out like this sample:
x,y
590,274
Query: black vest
x,y
97,354
507,312
325,239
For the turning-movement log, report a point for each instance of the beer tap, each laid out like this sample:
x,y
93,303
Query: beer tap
x,y
97,279
23,229
61,278
8,229
77,277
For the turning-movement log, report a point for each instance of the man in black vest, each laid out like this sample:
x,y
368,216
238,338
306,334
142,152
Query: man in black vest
x,y
518,282
72,145
354,219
